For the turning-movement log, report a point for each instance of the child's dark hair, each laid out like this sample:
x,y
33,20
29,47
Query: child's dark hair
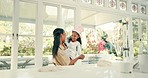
x,y
56,33
79,39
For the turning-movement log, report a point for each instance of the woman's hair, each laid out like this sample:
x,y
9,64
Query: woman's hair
x,y
56,33
79,39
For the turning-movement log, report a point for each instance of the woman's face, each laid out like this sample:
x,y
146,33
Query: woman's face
x,y
75,36
63,37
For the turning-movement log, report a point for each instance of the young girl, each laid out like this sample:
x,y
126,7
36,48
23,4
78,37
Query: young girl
x,y
74,44
58,51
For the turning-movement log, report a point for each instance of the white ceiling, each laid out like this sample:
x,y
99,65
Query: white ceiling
x,y
98,18
87,17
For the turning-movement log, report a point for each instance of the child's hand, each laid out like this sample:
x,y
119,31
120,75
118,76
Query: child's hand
x,y
81,56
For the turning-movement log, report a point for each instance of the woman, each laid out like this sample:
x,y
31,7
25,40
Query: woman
x,y
58,51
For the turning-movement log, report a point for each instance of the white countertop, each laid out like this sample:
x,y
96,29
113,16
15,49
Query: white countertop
x,y
77,71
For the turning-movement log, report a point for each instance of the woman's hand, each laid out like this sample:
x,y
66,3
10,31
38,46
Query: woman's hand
x,y
81,56
72,62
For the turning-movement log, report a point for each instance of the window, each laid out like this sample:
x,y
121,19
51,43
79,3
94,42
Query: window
x,y
91,42
100,2
68,19
27,22
134,8
112,3
49,24
144,34
26,34
143,9
6,13
123,5
135,36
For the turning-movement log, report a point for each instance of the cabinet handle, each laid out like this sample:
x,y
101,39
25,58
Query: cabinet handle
x,y
17,36
12,35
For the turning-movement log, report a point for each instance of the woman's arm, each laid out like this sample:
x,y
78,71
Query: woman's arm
x,y
73,61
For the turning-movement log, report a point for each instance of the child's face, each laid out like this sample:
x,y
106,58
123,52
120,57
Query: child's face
x,y
63,37
75,36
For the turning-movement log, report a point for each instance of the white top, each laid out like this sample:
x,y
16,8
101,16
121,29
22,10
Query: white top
x,y
74,49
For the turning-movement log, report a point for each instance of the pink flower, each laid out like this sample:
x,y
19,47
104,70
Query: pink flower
x,y
101,46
